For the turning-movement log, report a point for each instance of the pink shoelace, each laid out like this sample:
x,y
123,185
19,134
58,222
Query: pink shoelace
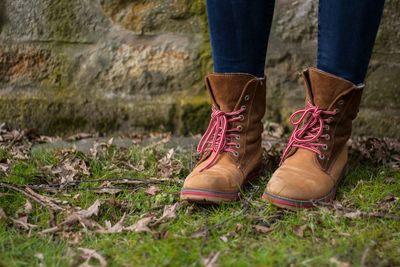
x,y
308,128
218,137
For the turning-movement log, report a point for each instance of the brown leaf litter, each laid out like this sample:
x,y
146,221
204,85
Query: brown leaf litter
x,y
82,216
299,230
168,165
87,255
152,190
211,260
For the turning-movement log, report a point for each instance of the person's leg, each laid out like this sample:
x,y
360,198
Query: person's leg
x,y
346,36
314,160
239,31
231,149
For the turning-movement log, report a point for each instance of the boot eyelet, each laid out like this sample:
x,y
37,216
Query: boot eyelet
x,y
321,156
240,128
247,97
330,119
326,127
325,147
237,137
236,154
341,102
241,117
336,110
327,137
237,145
243,107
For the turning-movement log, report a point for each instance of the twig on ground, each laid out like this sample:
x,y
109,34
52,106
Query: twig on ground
x,y
133,181
28,192
48,201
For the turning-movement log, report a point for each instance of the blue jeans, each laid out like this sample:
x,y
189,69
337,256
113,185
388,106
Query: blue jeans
x,y
347,29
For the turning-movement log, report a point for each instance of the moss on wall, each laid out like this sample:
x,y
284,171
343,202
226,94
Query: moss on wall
x,y
62,115
61,19
198,8
194,115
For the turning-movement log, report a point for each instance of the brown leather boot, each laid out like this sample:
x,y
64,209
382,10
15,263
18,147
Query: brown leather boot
x,y
230,149
315,158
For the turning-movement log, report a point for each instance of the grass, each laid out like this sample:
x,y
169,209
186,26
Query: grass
x,y
329,238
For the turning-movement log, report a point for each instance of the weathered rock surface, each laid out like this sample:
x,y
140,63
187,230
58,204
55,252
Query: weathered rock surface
x,y
122,65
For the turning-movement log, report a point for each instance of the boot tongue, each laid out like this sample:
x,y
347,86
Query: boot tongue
x,y
226,89
323,88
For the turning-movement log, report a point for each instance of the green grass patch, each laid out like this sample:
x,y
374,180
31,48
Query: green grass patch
x,y
198,230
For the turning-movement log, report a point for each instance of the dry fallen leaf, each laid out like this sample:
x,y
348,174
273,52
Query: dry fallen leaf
x,y
72,238
211,260
94,150
142,225
92,210
388,202
169,213
262,229
152,190
377,150
13,135
224,238
21,151
353,214
199,233
69,168
81,216
116,228
91,254
168,165
238,227
299,230
40,258
110,141
25,210
28,207
22,222
4,167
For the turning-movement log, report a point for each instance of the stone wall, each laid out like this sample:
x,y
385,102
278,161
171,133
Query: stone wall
x,y
122,65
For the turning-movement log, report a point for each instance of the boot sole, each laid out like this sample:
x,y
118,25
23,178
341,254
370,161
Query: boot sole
x,y
205,196
295,204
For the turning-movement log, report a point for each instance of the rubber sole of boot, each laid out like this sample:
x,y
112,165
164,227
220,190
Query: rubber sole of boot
x,y
205,196
296,204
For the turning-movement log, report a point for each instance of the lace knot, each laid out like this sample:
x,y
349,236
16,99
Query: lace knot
x,y
308,127
219,135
